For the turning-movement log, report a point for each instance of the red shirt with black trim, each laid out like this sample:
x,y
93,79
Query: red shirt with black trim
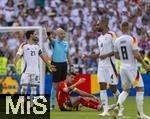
x,y
62,96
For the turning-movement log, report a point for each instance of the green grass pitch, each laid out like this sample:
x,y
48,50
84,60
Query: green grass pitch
x,y
130,111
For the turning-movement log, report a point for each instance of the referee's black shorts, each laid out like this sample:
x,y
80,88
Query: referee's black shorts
x,y
61,71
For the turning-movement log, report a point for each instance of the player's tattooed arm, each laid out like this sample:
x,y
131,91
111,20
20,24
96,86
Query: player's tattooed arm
x,y
117,55
19,54
92,56
17,57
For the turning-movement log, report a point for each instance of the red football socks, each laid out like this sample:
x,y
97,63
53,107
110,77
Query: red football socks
x,y
89,103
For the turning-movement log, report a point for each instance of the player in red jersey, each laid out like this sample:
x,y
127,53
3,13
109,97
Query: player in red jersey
x,y
67,103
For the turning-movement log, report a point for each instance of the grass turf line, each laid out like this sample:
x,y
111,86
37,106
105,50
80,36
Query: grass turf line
x,y
130,111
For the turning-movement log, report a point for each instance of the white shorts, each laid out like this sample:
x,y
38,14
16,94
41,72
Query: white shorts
x,y
31,79
107,75
131,77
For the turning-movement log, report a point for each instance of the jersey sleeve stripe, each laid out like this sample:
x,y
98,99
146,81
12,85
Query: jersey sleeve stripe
x,y
134,41
21,46
113,35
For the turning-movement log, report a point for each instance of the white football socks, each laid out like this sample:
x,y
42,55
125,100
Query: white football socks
x,y
122,97
32,95
139,102
33,90
23,90
104,99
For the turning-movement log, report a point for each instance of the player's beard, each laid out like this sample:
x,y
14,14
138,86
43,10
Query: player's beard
x,y
100,29
36,40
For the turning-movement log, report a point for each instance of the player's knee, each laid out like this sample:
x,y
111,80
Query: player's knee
x,y
140,89
33,89
113,88
79,97
126,90
103,86
24,89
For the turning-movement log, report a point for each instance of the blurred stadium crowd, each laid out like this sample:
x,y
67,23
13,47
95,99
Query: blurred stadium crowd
x,y
78,18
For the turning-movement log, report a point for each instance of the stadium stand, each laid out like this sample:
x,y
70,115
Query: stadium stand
x,y
79,19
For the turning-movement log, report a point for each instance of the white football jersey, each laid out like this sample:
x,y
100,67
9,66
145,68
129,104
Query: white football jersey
x,y
125,45
30,54
106,45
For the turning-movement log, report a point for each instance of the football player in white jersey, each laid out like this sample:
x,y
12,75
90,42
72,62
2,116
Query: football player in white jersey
x,y
127,51
107,73
30,53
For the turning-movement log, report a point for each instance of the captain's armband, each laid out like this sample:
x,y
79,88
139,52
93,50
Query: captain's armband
x,y
74,89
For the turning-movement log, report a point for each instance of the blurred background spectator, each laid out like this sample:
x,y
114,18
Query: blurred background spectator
x,y
78,18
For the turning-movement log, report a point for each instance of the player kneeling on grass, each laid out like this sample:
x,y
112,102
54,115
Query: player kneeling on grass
x,y
66,103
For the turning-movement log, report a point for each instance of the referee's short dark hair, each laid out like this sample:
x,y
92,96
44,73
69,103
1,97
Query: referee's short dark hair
x,y
28,33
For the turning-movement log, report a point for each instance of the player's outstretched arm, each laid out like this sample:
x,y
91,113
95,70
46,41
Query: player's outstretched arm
x,y
19,54
106,55
16,59
73,87
92,56
83,93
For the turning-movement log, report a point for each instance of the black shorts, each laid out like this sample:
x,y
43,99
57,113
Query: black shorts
x,y
61,71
